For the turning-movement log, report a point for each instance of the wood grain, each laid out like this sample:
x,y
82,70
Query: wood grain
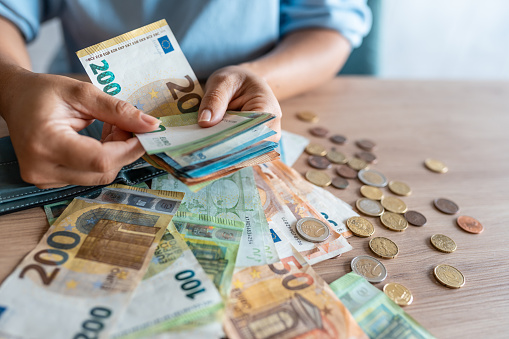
x,y
463,124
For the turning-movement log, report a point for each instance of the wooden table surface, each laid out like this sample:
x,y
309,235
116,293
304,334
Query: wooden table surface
x,y
464,124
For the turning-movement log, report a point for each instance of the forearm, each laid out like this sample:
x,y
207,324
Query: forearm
x,y
301,61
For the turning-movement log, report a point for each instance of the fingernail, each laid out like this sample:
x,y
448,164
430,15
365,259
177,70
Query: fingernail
x,y
205,115
149,119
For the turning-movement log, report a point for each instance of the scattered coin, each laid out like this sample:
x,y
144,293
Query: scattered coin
x,y
469,224
435,165
315,149
357,164
415,218
318,178
336,157
394,221
372,178
399,294
365,144
307,116
338,139
360,227
369,207
446,206
370,192
340,183
370,268
384,247
393,204
312,229
449,276
443,243
368,157
319,131
346,172
319,162
399,188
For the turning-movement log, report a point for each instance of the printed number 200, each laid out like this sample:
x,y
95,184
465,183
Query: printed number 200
x,y
105,77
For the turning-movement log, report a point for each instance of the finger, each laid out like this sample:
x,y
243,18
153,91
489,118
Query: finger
x,y
67,176
219,91
106,131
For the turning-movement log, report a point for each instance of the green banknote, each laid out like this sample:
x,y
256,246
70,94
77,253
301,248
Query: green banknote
x,y
376,314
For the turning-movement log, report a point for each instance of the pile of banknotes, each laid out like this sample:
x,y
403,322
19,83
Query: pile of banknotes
x,y
147,68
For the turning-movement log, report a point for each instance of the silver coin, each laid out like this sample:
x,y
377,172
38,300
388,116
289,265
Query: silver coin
x,y
372,178
369,207
312,229
370,268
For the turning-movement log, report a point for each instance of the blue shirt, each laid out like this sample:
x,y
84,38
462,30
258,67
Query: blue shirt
x,y
211,33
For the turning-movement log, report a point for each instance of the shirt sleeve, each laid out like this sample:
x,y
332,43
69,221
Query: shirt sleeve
x,y
28,15
351,18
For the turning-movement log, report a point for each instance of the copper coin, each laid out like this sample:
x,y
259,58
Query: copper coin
x,y
415,218
368,157
319,131
340,183
469,224
365,144
446,206
338,139
319,162
346,172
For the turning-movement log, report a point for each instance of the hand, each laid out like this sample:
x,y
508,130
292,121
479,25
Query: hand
x,y
239,89
44,113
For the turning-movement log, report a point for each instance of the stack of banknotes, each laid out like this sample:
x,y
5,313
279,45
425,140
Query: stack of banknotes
x,y
147,68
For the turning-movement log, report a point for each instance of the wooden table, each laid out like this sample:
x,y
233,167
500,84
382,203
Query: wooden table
x,y
464,124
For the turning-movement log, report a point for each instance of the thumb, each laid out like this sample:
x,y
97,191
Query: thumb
x,y
214,104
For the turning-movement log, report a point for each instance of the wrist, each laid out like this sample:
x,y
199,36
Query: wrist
x,y
11,80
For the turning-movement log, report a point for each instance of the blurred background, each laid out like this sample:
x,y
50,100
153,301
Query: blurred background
x,y
426,39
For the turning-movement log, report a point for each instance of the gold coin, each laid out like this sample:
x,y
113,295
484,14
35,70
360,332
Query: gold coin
x,y
443,243
369,207
399,294
315,149
399,188
394,221
435,165
370,192
360,227
357,164
449,276
307,116
393,204
384,247
336,157
318,178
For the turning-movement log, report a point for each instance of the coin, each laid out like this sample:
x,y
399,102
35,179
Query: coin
x,y
357,164
370,268
360,227
384,247
312,229
435,165
399,188
399,294
370,192
318,178
340,183
319,162
446,206
369,207
415,218
346,172
315,149
372,178
336,157
319,131
368,157
338,139
365,144
394,221
449,276
393,204
469,224
307,116
443,243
